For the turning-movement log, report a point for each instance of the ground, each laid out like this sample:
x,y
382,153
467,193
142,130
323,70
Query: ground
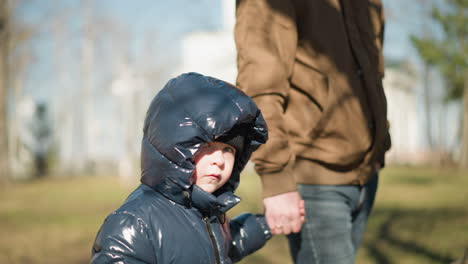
x,y
420,216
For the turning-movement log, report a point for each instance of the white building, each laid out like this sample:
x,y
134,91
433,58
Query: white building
x,y
212,53
405,127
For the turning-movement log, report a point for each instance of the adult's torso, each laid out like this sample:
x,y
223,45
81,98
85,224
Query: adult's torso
x,y
337,109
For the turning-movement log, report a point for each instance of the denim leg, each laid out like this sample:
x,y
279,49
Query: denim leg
x,y
335,220
361,216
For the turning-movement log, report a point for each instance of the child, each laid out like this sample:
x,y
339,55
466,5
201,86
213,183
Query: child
x,y
198,135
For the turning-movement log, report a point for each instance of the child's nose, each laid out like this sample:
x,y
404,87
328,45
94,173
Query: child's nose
x,y
217,158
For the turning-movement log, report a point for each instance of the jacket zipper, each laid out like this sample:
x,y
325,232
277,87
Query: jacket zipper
x,y
212,239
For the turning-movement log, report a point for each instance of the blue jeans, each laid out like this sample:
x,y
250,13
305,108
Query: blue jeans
x,y
336,217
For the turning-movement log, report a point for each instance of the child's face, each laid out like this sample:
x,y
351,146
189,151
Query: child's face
x,y
213,165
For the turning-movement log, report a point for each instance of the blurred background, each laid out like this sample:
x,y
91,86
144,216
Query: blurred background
x,y
76,77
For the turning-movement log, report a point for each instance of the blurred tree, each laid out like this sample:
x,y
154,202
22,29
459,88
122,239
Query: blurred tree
x,y
15,56
449,56
4,36
20,58
38,139
88,43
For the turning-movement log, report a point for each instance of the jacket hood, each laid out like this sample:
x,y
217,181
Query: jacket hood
x,y
190,111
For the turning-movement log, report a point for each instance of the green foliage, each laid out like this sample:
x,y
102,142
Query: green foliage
x,y
448,55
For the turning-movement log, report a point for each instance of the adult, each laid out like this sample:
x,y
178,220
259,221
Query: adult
x,y
315,69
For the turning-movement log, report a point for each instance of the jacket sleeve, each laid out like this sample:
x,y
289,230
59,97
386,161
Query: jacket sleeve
x,y
266,39
123,238
249,233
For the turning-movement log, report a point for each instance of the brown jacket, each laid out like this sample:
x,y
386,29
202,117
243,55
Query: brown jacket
x,y
315,69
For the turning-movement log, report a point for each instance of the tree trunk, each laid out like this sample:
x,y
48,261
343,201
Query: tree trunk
x,y
86,91
464,140
427,106
4,34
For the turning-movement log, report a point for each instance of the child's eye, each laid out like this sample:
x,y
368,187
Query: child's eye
x,y
229,149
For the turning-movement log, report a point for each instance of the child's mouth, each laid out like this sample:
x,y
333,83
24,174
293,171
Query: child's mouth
x,y
215,176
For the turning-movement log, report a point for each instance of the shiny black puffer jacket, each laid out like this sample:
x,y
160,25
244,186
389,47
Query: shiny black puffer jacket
x,y
167,219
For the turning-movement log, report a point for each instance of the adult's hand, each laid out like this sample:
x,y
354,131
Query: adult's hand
x,y
284,212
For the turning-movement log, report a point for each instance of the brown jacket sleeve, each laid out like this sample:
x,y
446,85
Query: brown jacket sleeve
x,y
266,39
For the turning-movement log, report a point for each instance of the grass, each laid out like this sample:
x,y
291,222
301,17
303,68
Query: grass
x,y
420,216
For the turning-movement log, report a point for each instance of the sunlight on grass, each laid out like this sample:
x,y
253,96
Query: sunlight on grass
x,y
421,216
